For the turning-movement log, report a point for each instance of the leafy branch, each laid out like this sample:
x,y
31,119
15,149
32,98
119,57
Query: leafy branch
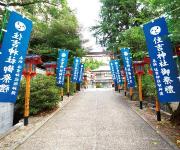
x,y
26,3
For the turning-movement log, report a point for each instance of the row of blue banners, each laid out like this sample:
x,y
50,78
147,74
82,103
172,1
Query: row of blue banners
x,y
77,72
164,67
128,68
12,54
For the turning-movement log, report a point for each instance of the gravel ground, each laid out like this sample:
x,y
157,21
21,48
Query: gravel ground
x,y
12,140
164,126
96,120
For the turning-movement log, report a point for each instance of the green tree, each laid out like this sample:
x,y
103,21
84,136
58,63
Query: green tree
x,y
27,2
54,26
116,17
120,27
90,63
171,10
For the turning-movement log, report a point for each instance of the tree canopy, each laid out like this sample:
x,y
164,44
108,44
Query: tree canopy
x,y
55,26
92,64
121,19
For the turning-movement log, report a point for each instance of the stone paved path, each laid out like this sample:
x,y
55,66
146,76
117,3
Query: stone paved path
x,y
96,120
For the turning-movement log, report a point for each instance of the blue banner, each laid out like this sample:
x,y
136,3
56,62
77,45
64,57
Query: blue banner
x,y
81,72
76,66
61,66
162,62
127,61
117,71
111,64
12,55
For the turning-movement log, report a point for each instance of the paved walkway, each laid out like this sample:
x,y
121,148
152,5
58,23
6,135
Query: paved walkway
x,y
96,120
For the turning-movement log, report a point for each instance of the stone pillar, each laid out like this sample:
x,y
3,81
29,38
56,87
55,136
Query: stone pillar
x,y
6,116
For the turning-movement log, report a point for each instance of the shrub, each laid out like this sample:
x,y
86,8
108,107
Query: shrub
x,y
99,85
45,95
148,85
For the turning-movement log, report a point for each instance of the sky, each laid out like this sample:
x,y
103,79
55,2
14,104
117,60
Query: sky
x,y
87,12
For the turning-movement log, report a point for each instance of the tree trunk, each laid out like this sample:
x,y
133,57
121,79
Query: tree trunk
x,y
175,117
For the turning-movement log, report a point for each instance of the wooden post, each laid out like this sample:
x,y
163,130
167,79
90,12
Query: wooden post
x,y
158,113
140,90
131,92
75,86
62,93
119,88
125,85
68,83
78,86
116,87
27,99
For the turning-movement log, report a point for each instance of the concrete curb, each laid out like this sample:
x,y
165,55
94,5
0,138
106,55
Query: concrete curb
x,y
47,119
164,137
13,128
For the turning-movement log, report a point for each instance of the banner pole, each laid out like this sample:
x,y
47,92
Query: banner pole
x,y
119,88
27,99
131,92
140,90
75,86
158,113
125,86
62,93
68,79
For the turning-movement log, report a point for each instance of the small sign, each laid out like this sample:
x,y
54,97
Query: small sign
x,y
61,67
12,55
76,66
164,67
127,61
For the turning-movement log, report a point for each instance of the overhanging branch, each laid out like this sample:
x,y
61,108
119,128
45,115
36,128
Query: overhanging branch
x,y
26,3
2,4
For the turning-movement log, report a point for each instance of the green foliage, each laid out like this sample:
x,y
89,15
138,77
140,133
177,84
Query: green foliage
x,y
45,95
116,17
148,84
121,19
134,38
139,55
55,26
63,32
99,85
90,63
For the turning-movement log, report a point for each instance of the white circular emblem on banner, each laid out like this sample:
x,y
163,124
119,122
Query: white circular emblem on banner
x,y
125,53
155,30
63,55
77,60
20,26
